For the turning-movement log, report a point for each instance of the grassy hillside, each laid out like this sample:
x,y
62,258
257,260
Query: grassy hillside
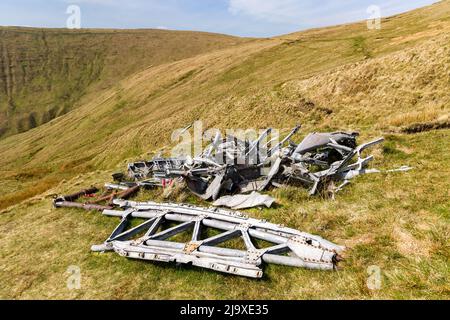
x,y
45,72
339,78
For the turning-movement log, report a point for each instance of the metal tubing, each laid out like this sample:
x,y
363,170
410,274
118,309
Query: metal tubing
x,y
295,262
234,253
88,207
75,196
116,186
128,193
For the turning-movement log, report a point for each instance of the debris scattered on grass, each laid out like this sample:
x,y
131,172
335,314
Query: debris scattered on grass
x,y
231,172
232,166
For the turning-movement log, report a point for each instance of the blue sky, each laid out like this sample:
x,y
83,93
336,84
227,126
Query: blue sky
x,y
257,18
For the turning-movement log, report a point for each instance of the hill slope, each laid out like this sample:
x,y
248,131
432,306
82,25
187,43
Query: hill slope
x,y
45,72
338,78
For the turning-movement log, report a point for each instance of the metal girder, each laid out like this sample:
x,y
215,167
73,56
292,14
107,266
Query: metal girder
x,y
288,247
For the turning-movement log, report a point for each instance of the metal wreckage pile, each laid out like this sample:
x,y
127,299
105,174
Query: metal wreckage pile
x,y
236,170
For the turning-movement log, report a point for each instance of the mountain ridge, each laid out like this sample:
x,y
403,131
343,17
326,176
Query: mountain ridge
x,y
46,72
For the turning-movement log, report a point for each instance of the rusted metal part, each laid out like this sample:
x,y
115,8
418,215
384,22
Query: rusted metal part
x,y
84,206
78,195
69,201
108,198
126,194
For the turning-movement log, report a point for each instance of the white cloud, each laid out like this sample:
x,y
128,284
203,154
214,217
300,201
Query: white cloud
x,y
316,13
278,11
100,2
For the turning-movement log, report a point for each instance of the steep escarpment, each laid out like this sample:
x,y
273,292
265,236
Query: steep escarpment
x,y
45,72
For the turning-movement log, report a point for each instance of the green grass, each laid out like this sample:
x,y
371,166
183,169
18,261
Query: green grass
x,y
371,218
338,78
360,47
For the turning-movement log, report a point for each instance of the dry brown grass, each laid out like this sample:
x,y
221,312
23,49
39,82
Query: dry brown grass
x,y
427,115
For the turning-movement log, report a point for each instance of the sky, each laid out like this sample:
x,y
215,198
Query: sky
x,y
252,18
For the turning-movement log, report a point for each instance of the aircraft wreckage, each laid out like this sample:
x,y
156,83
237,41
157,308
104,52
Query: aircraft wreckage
x,y
232,166
231,172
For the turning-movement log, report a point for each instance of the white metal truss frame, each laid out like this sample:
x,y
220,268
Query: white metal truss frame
x,y
289,247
